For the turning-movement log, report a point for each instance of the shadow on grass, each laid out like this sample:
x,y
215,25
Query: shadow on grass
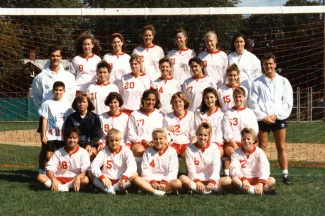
x,y
19,175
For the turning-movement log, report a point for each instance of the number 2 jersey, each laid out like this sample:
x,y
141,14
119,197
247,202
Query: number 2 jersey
x,y
115,165
63,164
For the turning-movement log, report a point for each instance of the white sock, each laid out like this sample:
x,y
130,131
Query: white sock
x,y
126,185
193,186
251,190
226,172
138,160
110,190
63,187
159,193
48,183
285,172
217,188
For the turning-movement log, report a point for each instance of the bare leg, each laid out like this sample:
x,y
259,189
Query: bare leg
x,y
280,137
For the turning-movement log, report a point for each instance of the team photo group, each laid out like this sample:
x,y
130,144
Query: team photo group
x,y
124,120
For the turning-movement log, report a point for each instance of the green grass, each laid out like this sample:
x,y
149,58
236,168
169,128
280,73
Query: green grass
x,y
19,196
10,126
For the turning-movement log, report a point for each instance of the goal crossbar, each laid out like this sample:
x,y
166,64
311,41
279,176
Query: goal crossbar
x,y
159,11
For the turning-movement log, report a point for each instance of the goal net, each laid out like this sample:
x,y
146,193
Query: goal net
x,y
297,40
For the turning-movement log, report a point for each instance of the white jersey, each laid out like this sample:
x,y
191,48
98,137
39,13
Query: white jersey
x,y
225,96
215,66
150,58
203,164
181,130
179,60
271,97
118,122
120,65
98,94
193,89
131,89
235,120
249,66
84,70
248,165
114,165
55,112
62,164
215,120
141,125
166,89
43,84
157,166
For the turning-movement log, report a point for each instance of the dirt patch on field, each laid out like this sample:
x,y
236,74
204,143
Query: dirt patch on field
x,y
20,137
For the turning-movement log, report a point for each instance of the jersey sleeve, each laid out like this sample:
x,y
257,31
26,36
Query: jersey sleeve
x,y
191,169
145,167
131,166
85,161
197,118
54,162
73,67
253,102
96,132
284,109
228,133
235,167
132,133
215,176
192,127
97,163
264,167
173,167
44,110
37,92
224,68
219,131
256,69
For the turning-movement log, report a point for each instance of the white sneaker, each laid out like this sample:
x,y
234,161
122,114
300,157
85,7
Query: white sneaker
x,y
159,193
110,190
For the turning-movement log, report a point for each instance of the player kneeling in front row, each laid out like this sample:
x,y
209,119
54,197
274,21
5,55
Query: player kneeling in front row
x,y
114,168
250,167
159,167
203,164
66,168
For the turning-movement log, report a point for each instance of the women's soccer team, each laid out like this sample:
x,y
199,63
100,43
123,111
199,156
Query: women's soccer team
x,y
134,117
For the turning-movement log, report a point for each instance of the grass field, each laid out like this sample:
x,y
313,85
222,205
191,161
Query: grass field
x,y
20,196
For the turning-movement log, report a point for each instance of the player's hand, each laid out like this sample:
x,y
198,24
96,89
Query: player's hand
x,y
273,117
210,186
268,119
76,184
162,187
246,185
106,182
44,140
155,185
121,184
259,188
200,186
55,185
170,128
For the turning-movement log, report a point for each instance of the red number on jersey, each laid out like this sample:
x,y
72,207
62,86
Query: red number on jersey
x,y
177,129
172,61
142,58
81,68
109,164
106,128
93,96
196,162
190,88
234,122
226,99
140,122
242,163
129,85
64,165
205,63
152,163
161,90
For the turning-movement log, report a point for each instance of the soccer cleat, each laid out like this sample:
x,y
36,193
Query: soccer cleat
x,y
110,190
190,192
270,192
286,180
171,193
121,192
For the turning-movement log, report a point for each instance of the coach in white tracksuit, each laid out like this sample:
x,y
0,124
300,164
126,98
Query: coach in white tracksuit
x,y
272,100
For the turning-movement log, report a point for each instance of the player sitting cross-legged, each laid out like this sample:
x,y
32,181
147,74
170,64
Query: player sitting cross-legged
x,y
66,168
114,168
159,167
249,166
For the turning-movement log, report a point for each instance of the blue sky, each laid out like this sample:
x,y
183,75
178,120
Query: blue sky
x,y
261,3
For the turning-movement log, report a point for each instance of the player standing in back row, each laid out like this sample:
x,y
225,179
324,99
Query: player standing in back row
x,y
272,100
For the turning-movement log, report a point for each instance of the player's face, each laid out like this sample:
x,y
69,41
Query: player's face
x,y
55,58
150,102
102,75
211,42
165,69
233,78
117,44
58,92
87,46
147,37
210,100
114,142
239,100
180,40
135,66
72,140
239,44
269,67
159,141
196,69
203,137
82,105
178,105
248,142
114,105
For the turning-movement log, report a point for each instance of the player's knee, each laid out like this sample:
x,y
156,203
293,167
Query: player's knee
x,y
271,181
138,150
183,178
176,184
41,178
235,181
